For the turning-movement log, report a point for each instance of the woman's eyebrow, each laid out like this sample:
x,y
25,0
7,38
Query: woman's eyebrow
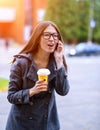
x,y
51,32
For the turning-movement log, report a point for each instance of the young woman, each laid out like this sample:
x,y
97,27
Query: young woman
x,y
33,101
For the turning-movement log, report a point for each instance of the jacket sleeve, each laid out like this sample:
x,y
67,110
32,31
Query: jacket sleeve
x,y
16,93
61,82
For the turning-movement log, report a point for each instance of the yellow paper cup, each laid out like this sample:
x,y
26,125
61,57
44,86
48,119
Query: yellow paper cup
x,y
43,74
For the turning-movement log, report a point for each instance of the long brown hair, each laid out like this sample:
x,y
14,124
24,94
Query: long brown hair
x,y
33,43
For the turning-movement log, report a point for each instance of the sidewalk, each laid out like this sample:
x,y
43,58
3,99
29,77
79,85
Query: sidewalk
x,y
6,56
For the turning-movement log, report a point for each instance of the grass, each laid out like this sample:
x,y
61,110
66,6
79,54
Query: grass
x,y
3,84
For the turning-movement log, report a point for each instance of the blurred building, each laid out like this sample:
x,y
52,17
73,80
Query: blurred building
x,y
18,18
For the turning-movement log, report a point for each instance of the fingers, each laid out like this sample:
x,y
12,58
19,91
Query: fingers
x,y
41,85
60,46
60,43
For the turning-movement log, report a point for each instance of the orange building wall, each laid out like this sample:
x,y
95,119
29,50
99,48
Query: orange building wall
x,y
15,29
18,26
37,4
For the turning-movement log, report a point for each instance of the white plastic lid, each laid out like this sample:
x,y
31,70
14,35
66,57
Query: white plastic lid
x,y
43,71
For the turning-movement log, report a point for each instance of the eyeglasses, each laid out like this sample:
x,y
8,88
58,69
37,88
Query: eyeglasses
x,y
47,36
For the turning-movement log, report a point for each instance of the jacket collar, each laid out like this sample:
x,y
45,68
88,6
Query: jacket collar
x,y
26,55
32,73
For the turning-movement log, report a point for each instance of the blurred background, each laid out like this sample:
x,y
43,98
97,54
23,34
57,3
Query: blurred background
x,y
79,23
78,19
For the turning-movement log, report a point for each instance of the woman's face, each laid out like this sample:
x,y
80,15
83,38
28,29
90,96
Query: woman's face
x,y
49,39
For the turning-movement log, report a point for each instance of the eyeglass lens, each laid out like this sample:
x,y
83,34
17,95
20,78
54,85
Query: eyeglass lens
x,y
47,35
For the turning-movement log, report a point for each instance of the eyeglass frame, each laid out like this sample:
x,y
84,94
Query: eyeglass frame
x,y
49,36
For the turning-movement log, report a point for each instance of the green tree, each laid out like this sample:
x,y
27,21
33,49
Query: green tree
x,y
96,30
89,10
73,18
83,17
64,14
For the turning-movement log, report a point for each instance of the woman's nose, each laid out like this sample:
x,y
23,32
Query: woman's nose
x,y
51,38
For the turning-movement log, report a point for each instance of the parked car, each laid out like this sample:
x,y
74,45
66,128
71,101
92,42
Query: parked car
x,y
85,49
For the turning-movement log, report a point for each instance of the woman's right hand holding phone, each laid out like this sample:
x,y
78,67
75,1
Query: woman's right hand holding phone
x,y
58,54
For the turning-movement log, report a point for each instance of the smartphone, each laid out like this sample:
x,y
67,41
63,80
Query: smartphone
x,y
56,46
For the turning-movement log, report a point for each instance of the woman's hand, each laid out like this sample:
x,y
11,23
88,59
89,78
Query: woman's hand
x,y
58,54
40,86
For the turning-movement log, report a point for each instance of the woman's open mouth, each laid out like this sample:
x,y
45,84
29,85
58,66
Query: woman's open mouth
x,y
50,45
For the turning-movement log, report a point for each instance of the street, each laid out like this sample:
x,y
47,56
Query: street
x,y
79,110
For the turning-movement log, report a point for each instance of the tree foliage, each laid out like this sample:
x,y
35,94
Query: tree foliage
x,y
96,31
64,14
72,18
